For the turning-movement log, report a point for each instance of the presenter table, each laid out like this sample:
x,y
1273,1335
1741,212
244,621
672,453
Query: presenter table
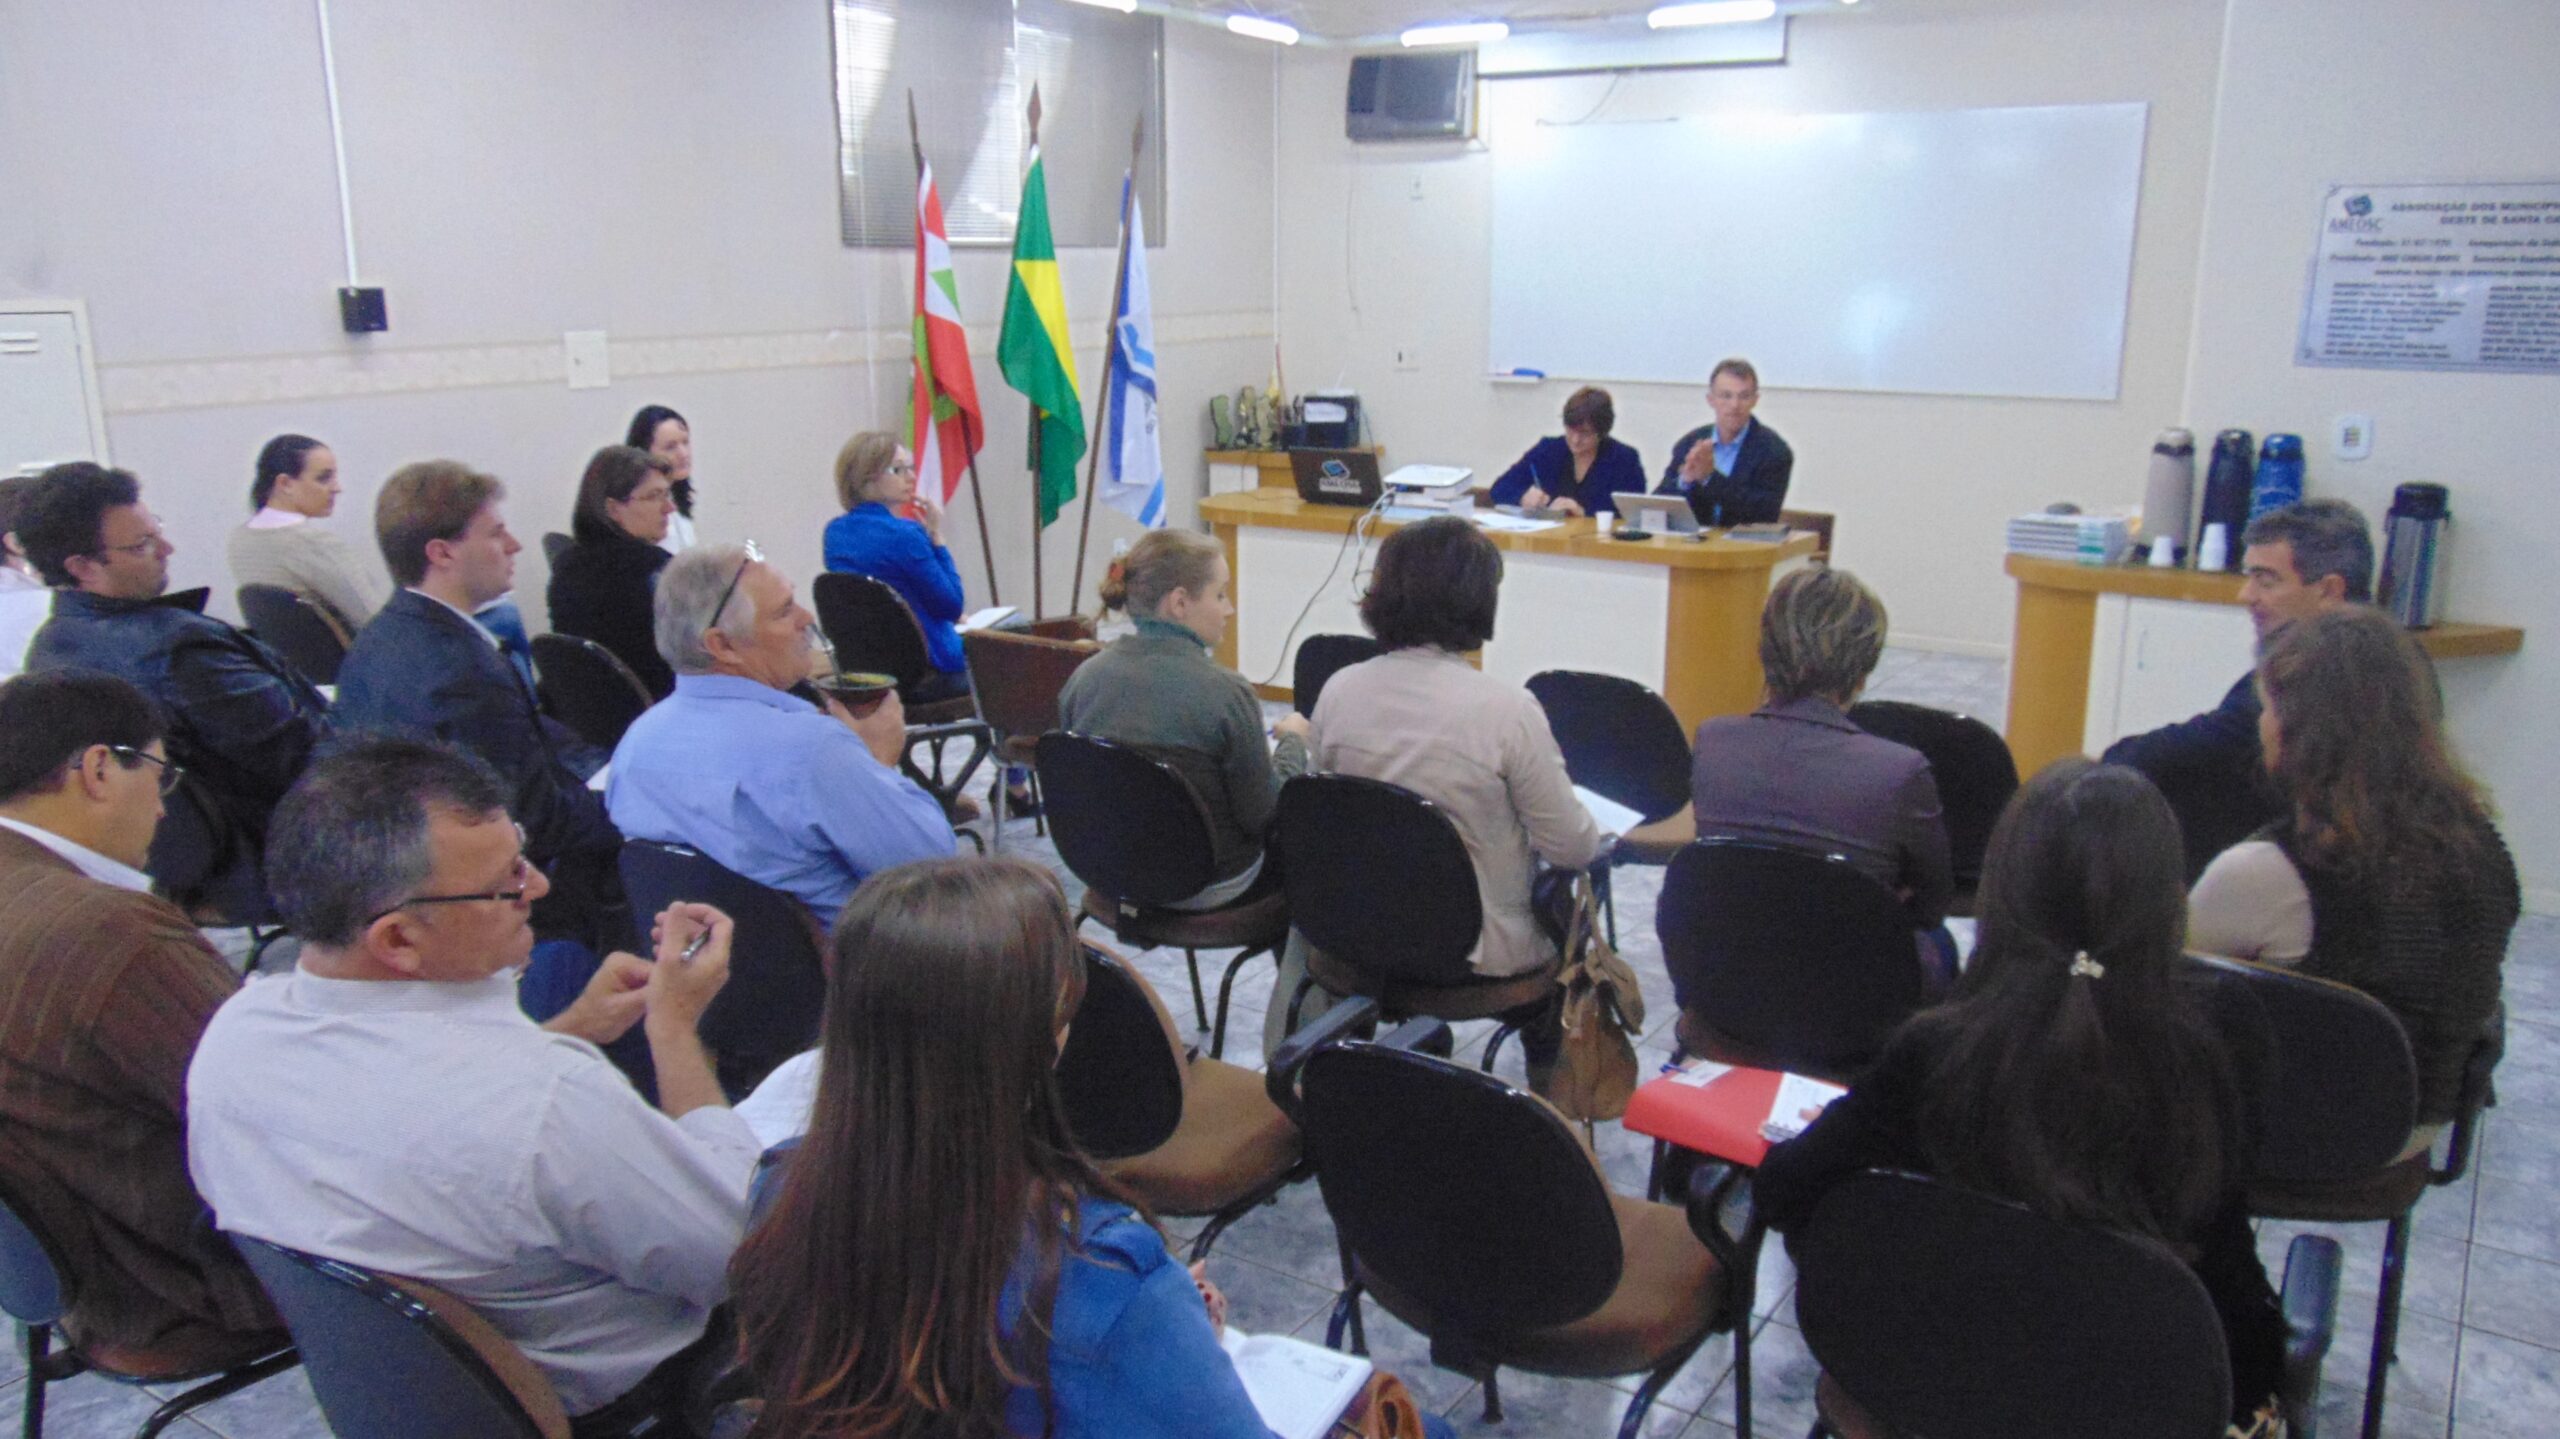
x,y
2102,651
1680,616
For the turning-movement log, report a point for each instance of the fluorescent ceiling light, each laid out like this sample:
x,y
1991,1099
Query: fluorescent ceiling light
x,y
1714,12
1125,7
1478,33
1257,28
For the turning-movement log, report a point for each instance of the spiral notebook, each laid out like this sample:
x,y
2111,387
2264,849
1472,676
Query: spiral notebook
x,y
1299,1388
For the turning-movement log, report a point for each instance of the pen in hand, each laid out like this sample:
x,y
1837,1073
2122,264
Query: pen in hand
x,y
694,945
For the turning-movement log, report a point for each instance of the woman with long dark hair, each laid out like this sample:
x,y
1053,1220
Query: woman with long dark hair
x,y
2382,870
604,586
664,433
2074,1071
942,1260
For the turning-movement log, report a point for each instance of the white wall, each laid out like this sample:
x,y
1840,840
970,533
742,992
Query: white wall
x,y
658,169
2362,92
1387,245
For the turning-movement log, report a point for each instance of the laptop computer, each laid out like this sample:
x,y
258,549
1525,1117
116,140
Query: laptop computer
x,y
1337,477
1659,514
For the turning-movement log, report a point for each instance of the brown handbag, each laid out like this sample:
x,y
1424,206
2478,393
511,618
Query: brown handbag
x,y
1603,1012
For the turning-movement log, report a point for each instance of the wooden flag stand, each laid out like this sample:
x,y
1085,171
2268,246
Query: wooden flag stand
x,y
977,494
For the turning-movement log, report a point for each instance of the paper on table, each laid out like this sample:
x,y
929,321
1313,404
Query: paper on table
x,y
1298,1388
1513,524
1611,816
1699,1073
992,614
1799,1100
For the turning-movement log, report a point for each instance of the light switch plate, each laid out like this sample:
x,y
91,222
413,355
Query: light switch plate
x,y
2351,436
589,369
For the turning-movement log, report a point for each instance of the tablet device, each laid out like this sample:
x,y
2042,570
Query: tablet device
x,y
1337,477
1658,514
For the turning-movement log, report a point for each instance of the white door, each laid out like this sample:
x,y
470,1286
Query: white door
x,y
47,410
2180,658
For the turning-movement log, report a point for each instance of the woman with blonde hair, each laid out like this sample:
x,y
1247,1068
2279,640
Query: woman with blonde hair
x,y
1159,691
875,479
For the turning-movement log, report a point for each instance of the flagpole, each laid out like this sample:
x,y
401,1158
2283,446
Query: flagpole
x,y
1110,352
1039,595
977,495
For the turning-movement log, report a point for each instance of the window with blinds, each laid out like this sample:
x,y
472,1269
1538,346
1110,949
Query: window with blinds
x,y
971,64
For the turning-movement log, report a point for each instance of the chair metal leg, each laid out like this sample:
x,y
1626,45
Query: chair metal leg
x,y
1653,1174
1199,999
1226,991
1297,998
1493,1395
995,811
39,1340
2386,1324
203,1394
1632,1425
1493,1046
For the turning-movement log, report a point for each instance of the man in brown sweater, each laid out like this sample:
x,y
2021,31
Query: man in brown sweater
x,y
104,991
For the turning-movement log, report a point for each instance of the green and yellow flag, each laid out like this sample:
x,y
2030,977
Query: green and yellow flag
x,y
1032,350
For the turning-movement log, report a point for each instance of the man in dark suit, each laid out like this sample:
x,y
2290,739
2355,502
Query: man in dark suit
x,y
423,666
1735,470
242,721
2297,561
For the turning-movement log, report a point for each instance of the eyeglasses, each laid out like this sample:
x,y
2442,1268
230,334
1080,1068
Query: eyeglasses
x,y
902,469
521,874
754,556
170,771
142,546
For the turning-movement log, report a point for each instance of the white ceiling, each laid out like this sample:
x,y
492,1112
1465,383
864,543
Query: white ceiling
x,y
1358,19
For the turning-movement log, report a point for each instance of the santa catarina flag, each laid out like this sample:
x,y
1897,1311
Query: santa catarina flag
x,y
946,427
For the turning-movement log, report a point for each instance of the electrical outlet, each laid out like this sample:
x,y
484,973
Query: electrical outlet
x,y
2351,436
589,368
1408,357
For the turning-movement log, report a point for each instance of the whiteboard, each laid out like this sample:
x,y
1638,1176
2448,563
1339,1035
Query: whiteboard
x,y
1962,252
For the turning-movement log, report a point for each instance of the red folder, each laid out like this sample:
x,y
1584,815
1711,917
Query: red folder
x,y
1721,1119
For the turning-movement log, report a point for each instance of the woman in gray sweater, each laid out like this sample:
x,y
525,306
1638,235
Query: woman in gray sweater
x,y
297,483
1159,691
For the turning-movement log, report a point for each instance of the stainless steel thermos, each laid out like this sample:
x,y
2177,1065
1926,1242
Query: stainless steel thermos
x,y
2413,558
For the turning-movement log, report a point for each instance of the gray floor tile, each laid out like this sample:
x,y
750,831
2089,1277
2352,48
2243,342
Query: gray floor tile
x,y
2342,1412
1783,1373
1293,1235
2515,1297
2507,1390
1265,1301
89,1407
1542,1405
279,1408
2422,1382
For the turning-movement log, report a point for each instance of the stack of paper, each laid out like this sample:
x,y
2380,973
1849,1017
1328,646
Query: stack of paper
x,y
1799,1101
991,615
1299,1388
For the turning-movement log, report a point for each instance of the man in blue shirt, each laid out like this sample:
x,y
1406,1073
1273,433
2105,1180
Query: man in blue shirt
x,y
805,801
1734,470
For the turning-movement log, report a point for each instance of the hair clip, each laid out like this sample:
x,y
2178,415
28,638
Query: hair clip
x,y
2083,967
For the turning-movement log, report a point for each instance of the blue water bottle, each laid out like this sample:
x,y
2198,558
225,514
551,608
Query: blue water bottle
x,y
2279,480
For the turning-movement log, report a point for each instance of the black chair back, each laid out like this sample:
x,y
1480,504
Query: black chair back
x,y
1377,877
554,545
35,1286
1620,740
383,1362
1448,1186
1975,772
305,634
1948,1314
1121,1072
588,688
1017,678
1799,960
1125,822
2339,1090
769,1009
871,627
1318,657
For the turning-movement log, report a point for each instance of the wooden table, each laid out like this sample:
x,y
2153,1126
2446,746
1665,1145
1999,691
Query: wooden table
x,y
1680,616
2070,644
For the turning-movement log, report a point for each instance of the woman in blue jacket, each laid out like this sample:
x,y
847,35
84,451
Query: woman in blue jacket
x,y
941,1257
1580,472
876,482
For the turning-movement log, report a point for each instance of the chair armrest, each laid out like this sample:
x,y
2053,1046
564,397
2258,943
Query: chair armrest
x,y
1423,1035
2310,1301
1716,1190
1280,1076
2477,1094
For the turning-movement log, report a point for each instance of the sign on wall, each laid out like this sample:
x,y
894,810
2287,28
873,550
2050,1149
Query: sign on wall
x,y
2436,277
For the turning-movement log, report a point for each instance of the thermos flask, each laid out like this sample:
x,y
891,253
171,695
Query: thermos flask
x,y
2170,495
2413,559
2279,481
2226,493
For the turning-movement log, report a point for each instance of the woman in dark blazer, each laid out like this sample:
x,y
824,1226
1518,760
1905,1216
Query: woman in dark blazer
x,y
604,586
1580,472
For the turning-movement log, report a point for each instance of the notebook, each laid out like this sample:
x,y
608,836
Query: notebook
x,y
1299,1388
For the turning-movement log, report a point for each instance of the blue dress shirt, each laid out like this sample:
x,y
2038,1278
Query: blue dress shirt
x,y
869,540
1131,1353
769,785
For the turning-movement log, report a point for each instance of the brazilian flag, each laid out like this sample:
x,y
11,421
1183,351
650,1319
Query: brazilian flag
x,y
1032,350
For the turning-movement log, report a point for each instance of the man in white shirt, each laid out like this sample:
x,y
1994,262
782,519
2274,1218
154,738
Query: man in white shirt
x,y
387,1105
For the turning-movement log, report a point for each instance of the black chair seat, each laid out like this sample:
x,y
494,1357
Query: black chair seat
x,y
1256,921
2386,1193
1319,658
769,1009
1974,770
309,637
1473,999
950,711
588,688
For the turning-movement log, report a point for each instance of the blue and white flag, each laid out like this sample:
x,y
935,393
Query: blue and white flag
x,y
1133,481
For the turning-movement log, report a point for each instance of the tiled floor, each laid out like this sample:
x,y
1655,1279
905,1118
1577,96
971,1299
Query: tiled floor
x,y
2480,1326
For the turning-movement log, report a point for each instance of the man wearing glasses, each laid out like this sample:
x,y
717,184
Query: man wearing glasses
x,y
241,720
387,1104
1733,469
424,666
103,990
